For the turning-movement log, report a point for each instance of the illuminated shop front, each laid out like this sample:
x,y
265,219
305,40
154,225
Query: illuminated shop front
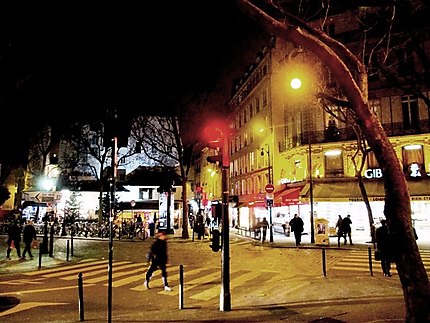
x,y
333,198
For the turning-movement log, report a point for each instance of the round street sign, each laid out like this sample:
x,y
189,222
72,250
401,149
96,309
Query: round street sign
x,y
269,188
133,203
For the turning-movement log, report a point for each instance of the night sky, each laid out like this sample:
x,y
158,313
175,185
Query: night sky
x,y
73,60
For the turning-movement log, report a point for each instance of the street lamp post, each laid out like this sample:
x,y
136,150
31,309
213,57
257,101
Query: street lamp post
x,y
311,187
296,84
269,202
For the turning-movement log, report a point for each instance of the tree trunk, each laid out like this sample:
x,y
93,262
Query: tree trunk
x,y
344,66
369,209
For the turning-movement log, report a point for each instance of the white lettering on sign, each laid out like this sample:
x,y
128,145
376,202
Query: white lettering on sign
x,y
373,173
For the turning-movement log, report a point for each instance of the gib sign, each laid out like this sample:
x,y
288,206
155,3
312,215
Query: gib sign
x,y
373,173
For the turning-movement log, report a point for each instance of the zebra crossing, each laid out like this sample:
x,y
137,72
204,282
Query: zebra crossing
x,y
358,261
200,283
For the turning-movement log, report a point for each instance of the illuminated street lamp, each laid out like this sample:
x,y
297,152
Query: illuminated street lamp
x,y
296,84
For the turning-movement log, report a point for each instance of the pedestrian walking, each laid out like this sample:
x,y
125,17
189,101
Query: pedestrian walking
x,y
14,235
157,256
28,235
339,229
346,229
383,245
297,225
264,225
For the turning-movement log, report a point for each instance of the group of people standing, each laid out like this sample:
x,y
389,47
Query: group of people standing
x,y
343,229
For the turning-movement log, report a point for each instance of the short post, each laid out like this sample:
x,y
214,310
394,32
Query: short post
x,y
81,297
51,241
323,262
181,287
71,245
41,248
370,260
67,249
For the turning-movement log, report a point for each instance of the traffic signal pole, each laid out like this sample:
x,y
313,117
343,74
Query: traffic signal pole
x,y
225,297
111,218
218,137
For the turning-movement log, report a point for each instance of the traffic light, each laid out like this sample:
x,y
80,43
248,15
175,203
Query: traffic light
x,y
216,245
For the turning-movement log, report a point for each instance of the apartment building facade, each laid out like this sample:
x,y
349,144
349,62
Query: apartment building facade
x,y
288,139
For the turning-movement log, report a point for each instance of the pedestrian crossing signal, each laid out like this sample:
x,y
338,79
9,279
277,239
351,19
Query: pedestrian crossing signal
x,y
215,246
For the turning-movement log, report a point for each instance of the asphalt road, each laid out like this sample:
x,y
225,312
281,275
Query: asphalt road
x,y
267,283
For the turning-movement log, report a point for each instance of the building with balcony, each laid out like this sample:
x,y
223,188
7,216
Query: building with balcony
x,y
291,140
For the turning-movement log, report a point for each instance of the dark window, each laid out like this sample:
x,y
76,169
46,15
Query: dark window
x,y
410,114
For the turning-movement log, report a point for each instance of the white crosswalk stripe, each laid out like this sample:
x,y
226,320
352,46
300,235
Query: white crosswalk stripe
x,y
132,275
358,261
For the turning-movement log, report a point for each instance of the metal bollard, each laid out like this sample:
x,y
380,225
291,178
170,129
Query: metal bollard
x,y
81,297
67,250
51,241
370,260
71,242
324,262
40,254
181,287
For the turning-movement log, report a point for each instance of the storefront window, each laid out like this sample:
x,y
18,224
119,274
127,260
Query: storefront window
x,y
333,163
372,163
413,161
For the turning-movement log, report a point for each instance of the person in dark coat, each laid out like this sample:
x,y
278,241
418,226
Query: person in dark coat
x,y
29,234
158,257
297,226
383,245
339,229
14,235
264,224
346,229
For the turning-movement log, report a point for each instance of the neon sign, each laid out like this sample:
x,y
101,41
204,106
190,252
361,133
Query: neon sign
x,y
373,173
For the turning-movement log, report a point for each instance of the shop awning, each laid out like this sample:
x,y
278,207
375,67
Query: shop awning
x,y
282,197
290,196
252,200
349,191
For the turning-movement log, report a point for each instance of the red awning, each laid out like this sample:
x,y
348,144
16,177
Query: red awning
x,y
290,196
259,199
251,200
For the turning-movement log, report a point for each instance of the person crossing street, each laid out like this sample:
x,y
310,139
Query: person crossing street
x,y
158,257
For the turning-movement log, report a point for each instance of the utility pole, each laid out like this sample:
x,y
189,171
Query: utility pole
x,y
111,218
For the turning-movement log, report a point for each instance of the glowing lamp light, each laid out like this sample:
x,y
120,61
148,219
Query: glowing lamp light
x,y
47,184
296,83
334,152
412,147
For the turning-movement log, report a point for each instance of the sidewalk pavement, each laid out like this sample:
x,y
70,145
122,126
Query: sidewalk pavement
x,y
304,298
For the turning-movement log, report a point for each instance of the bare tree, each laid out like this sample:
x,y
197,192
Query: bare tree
x,y
164,140
351,74
87,152
173,140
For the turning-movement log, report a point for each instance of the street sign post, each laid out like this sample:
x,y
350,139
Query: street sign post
x,y
270,188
